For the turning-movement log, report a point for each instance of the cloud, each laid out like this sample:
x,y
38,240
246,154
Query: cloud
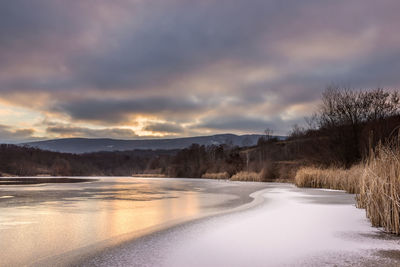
x,y
67,131
119,110
8,134
221,65
244,124
169,128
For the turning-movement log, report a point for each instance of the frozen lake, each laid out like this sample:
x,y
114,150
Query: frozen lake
x,y
186,222
41,223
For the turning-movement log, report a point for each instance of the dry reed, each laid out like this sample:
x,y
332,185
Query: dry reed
x,y
247,176
215,175
380,188
376,183
331,178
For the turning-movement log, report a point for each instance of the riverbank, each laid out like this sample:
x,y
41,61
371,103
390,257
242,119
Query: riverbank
x,y
290,227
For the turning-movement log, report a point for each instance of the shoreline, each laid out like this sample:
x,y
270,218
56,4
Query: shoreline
x,y
4,181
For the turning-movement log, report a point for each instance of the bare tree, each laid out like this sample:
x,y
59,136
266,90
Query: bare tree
x,y
268,134
344,114
296,131
345,106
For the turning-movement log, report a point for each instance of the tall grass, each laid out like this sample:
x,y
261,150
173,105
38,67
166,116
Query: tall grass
x,y
216,175
331,178
380,188
375,181
247,176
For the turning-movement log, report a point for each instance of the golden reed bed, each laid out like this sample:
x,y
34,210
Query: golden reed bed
x,y
375,181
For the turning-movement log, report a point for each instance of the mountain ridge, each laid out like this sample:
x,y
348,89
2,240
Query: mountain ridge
x,y
87,145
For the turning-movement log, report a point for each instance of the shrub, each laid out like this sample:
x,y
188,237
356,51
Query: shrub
x,y
216,175
247,176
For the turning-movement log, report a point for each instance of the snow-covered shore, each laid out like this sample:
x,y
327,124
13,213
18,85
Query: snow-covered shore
x,y
291,227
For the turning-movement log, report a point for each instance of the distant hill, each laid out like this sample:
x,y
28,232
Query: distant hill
x,y
84,145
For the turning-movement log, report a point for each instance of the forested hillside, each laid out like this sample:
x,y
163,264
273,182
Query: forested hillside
x,y
26,161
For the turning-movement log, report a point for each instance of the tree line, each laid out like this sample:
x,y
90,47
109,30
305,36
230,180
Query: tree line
x,y
189,162
28,161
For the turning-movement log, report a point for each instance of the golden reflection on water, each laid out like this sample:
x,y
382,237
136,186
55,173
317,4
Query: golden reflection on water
x,y
37,230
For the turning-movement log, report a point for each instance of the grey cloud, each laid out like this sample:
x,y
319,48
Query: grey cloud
x,y
172,128
158,44
33,20
244,124
8,134
68,131
149,58
173,39
117,110
379,70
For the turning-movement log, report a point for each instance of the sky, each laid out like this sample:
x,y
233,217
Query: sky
x,y
134,69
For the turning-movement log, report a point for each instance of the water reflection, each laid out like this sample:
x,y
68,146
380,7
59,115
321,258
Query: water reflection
x,y
38,221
